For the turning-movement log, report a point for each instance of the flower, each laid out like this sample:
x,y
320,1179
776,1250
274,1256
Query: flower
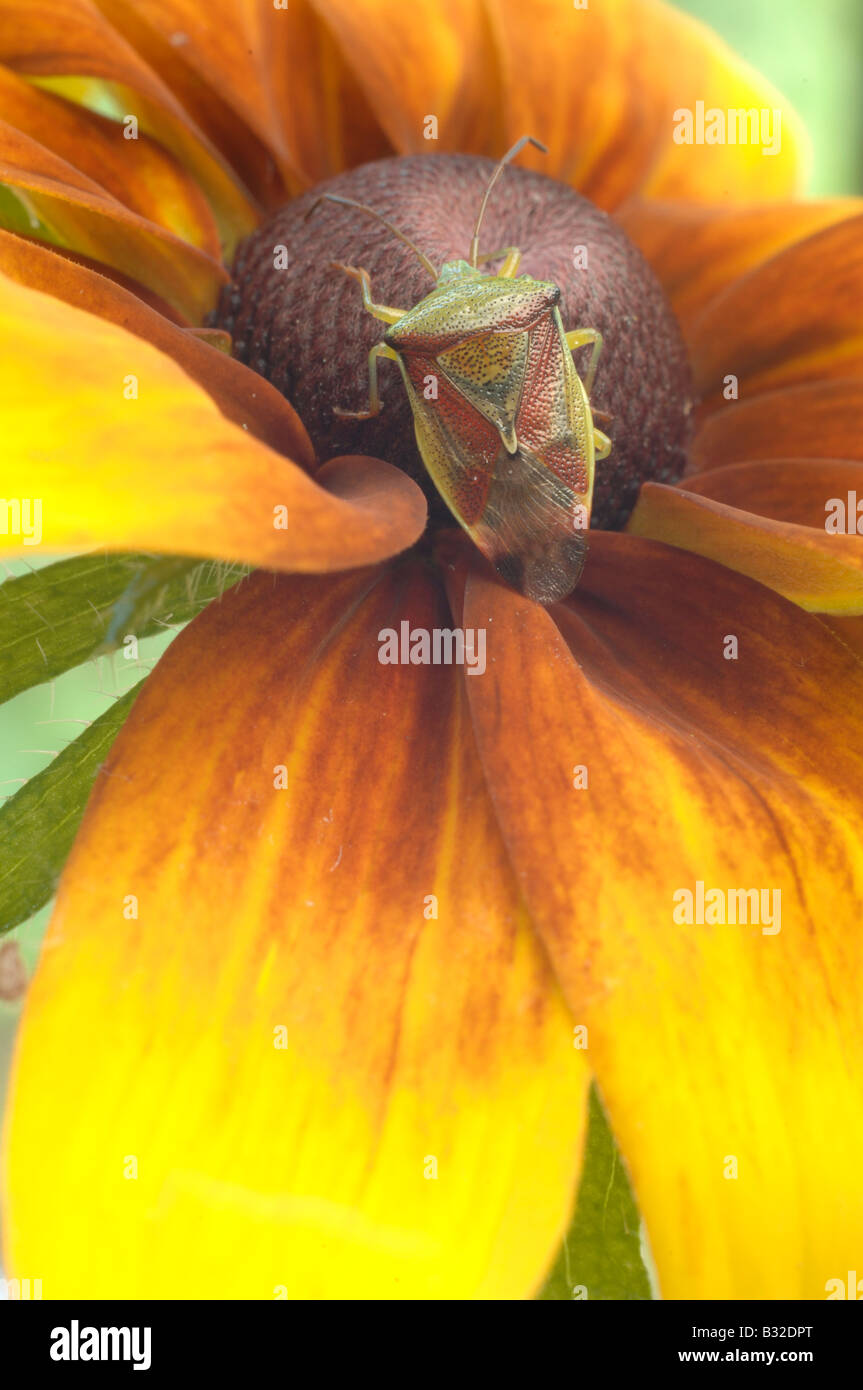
x,y
304,1014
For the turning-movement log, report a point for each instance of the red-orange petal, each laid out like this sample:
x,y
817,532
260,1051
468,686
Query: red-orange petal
x,y
212,59
794,319
821,419
235,67
568,80
326,1034
422,61
795,490
327,119
849,631
697,251
629,761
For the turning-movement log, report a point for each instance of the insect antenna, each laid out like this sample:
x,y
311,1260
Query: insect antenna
x,y
510,154
363,207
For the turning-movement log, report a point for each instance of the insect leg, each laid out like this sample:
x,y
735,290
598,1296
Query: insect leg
x,y
601,445
511,263
579,337
379,350
379,311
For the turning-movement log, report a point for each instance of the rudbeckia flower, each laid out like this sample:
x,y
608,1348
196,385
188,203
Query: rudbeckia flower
x,y
342,945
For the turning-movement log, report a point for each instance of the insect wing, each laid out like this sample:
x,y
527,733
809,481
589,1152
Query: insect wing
x,y
458,443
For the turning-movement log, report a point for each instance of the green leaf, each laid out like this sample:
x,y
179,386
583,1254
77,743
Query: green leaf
x,y
602,1249
61,615
39,823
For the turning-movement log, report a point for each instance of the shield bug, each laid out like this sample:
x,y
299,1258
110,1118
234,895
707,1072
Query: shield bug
x,y
502,418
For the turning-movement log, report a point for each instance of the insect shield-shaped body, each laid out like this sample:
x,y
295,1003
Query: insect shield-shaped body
x,y
506,430
509,441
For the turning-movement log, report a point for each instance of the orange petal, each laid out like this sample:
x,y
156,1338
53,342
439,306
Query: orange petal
x,y
710,1043
794,319
327,120
31,41
211,59
821,572
86,60
235,68
795,490
682,62
138,173
697,251
419,61
240,393
104,272
120,448
822,419
569,80
325,1033
80,215
600,86
848,630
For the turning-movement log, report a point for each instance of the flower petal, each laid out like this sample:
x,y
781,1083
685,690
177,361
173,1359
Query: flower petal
x,y
710,1043
420,60
601,86
235,68
568,80
819,571
683,62
419,1134
87,61
122,449
849,631
795,490
794,319
819,420
138,173
211,58
327,119
697,251
80,215
31,41
240,393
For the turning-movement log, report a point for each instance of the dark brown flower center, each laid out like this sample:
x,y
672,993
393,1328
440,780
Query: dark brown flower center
x,y
301,324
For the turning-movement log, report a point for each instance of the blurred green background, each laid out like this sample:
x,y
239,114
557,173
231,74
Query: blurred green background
x,y
813,52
